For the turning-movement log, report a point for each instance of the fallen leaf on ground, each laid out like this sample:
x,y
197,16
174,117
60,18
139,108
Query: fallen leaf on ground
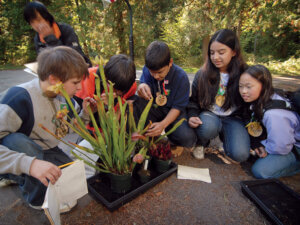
x,y
177,151
158,193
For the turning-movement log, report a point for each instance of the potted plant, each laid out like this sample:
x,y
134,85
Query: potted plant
x,y
115,137
161,155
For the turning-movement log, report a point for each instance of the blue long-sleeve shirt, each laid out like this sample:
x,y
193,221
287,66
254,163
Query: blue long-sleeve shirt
x,y
176,83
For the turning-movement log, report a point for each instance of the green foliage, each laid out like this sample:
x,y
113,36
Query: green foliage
x,y
14,34
112,142
290,66
265,27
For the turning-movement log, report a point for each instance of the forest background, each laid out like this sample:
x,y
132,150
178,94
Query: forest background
x,y
268,30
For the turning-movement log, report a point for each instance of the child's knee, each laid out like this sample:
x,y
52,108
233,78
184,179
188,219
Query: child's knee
x,y
19,142
259,172
239,155
12,139
185,138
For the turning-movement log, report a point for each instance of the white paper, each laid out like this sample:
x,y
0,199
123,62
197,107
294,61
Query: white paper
x,y
69,187
51,205
72,183
191,173
92,158
32,66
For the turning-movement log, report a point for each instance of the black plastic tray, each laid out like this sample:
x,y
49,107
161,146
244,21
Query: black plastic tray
x,y
114,200
277,201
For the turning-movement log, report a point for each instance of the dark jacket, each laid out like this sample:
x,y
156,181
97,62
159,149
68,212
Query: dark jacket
x,y
67,38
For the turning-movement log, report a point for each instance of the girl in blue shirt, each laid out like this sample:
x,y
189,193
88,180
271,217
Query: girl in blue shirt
x,y
215,97
279,150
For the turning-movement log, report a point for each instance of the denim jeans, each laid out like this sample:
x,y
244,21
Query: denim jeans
x,y
275,166
232,131
184,135
32,189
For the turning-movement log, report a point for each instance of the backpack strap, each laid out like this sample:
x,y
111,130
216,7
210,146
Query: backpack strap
x,y
279,104
70,113
296,153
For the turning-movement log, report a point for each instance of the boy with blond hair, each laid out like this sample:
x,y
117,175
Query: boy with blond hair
x,y
28,154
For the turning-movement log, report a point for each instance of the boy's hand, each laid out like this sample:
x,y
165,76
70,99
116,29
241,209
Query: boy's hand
x,y
144,91
92,103
105,99
194,122
43,170
155,130
261,152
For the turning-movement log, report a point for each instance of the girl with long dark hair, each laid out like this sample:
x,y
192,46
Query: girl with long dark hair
x,y
215,97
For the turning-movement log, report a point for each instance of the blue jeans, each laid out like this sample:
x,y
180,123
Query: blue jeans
x,y
275,166
232,130
184,135
32,189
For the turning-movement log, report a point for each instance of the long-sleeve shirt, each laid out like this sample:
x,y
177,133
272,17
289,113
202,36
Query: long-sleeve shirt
x,y
22,109
283,130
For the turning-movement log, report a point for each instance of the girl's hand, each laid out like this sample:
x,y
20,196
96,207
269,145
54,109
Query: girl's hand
x,y
91,102
194,121
261,152
144,91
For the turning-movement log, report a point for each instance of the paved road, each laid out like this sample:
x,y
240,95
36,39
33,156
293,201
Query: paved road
x,y
172,201
9,78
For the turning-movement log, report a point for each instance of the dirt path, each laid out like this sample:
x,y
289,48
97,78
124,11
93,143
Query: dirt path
x,y
288,83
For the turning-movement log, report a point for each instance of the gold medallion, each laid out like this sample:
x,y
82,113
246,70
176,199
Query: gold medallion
x,y
220,99
62,130
254,129
160,99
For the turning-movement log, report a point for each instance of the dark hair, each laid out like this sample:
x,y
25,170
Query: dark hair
x,y
63,62
120,70
210,75
32,8
157,55
263,75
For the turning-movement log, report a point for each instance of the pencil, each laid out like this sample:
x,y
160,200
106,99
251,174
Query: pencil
x,y
67,164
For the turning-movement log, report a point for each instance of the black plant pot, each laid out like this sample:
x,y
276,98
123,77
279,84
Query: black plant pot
x,y
120,183
161,166
144,176
100,186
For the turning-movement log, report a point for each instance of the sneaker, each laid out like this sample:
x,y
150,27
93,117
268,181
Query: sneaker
x,y
198,152
66,207
5,182
37,207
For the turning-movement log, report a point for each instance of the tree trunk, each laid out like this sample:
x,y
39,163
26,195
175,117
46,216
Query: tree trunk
x,y
205,43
